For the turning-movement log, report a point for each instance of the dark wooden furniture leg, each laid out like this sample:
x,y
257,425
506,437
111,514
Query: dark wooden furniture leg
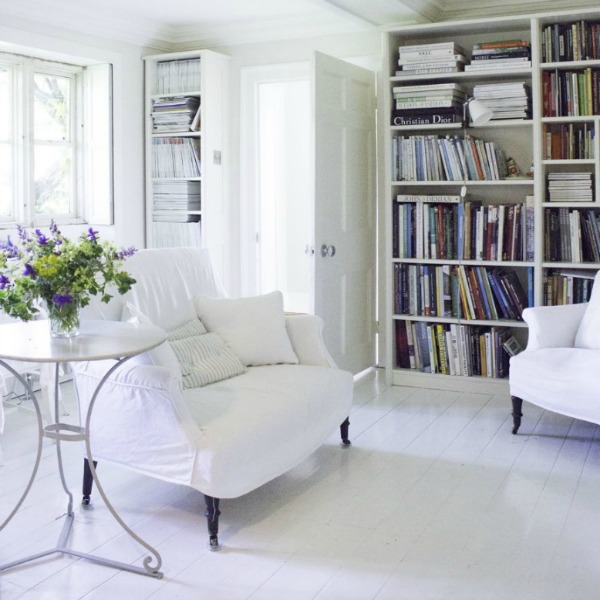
x,y
88,482
517,404
212,518
344,433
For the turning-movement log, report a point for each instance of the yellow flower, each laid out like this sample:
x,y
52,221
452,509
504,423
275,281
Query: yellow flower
x,y
46,266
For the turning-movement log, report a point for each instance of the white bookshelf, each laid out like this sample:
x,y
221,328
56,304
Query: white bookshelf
x,y
201,75
522,140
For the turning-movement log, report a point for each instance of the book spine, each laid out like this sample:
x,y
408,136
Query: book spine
x,y
497,65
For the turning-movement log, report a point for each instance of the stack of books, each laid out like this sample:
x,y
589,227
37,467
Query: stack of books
x,y
422,59
570,187
506,100
176,114
507,54
428,104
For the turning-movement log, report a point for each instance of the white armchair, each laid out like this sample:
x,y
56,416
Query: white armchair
x,y
559,370
234,434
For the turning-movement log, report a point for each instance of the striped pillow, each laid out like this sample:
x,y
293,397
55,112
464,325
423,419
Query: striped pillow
x,y
203,356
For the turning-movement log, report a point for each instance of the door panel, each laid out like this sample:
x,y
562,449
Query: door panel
x,y
344,211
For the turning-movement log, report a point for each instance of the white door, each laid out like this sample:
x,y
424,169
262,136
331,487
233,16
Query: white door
x,y
344,209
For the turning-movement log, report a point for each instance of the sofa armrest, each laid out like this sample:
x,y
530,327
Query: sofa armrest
x,y
140,418
553,326
306,335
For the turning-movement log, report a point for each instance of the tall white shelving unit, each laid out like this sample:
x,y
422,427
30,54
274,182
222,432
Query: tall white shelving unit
x,y
202,225
523,140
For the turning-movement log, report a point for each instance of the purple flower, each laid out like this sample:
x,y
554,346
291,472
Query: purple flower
x,y
62,299
4,281
9,249
23,235
92,235
29,270
125,252
41,238
54,228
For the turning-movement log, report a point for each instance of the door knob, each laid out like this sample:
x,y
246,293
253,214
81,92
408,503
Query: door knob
x,y
327,250
309,250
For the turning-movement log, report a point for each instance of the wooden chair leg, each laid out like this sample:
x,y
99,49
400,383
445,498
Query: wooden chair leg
x,y
344,433
517,404
88,482
212,518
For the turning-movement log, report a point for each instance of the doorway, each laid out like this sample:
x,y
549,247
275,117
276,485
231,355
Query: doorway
x,y
278,224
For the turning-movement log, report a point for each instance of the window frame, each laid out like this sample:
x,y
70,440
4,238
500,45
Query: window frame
x,y
23,69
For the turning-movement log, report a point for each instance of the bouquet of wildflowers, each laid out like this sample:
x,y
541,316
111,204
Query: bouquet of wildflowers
x,y
61,273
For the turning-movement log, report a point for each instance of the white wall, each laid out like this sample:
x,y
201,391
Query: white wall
x,y
18,35
363,49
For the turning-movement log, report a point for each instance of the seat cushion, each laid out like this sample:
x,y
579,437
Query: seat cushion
x,y
256,426
563,380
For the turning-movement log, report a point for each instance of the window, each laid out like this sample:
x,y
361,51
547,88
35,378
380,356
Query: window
x,y
52,154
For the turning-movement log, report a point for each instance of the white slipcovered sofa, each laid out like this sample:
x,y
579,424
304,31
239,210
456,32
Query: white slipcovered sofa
x,y
228,437
559,369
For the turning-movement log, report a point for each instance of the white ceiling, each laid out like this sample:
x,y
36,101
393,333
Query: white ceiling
x,y
169,24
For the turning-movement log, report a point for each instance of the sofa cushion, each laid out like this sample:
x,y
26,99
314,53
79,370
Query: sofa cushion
x,y
162,355
252,327
204,358
588,333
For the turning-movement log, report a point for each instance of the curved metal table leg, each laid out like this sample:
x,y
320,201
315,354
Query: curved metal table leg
x,y
65,432
38,456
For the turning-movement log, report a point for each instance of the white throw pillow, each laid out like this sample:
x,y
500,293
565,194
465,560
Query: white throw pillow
x,y
588,333
162,355
204,357
253,327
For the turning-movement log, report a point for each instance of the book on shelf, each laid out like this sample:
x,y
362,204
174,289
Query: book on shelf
x,y
453,349
573,41
568,286
516,43
435,46
489,65
570,93
430,70
568,141
571,235
450,158
428,116
429,88
569,186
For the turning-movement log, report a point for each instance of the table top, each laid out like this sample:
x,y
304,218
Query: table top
x,y
97,340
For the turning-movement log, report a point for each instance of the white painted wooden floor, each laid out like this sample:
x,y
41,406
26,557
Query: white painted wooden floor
x,y
435,500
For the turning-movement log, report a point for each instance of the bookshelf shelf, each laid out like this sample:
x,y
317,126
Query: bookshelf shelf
x,y
571,183
185,108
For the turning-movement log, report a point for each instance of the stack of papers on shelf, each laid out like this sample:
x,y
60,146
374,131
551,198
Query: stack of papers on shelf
x,y
570,187
174,200
176,114
506,100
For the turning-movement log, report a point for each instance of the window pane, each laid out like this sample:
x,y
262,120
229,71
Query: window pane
x,y
52,173
51,107
5,106
6,192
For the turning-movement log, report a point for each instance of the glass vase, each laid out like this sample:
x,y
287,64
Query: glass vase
x,y
64,320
